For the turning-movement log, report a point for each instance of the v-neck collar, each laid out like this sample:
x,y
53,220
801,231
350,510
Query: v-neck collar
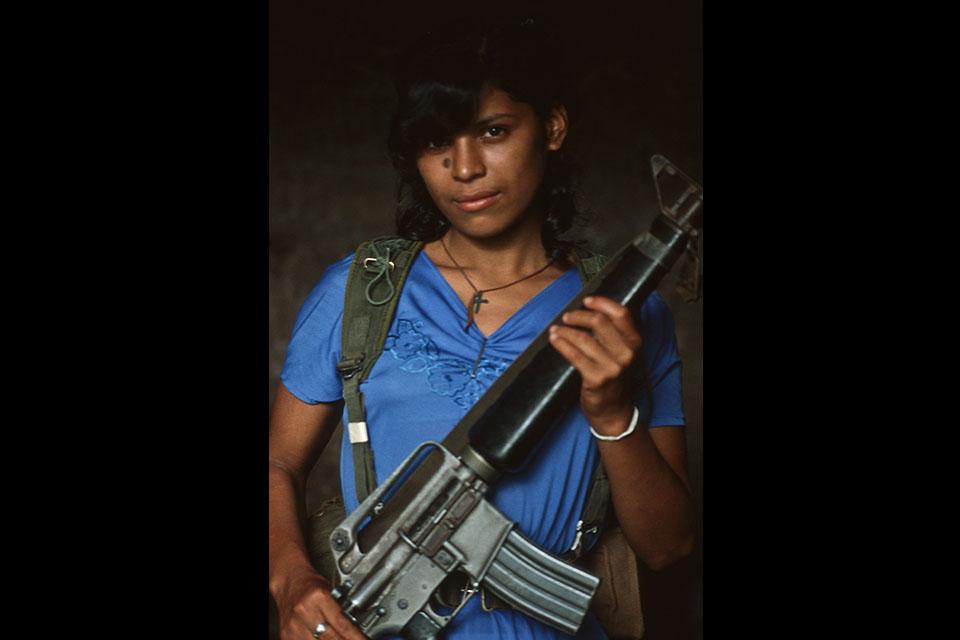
x,y
523,311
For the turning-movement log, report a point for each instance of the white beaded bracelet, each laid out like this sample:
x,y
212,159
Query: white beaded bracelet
x,y
630,429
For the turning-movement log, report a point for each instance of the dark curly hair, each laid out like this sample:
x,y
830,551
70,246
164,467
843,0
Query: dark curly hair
x,y
439,81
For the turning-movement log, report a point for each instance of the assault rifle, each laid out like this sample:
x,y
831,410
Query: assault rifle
x,y
429,523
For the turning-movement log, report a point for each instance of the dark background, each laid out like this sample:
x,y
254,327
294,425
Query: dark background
x,y
639,77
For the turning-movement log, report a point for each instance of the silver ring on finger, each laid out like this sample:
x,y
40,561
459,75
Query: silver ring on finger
x,y
320,628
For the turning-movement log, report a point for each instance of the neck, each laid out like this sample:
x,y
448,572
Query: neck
x,y
503,257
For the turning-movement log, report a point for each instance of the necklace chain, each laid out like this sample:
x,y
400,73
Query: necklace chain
x,y
478,298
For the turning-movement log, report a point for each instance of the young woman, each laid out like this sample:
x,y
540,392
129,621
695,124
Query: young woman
x,y
478,144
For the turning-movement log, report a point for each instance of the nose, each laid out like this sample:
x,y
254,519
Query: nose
x,y
467,159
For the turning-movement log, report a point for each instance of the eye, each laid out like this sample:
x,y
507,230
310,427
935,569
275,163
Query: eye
x,y
436,145
494,132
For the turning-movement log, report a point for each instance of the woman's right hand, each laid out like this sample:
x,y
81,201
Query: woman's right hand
x,y
298,434
304,602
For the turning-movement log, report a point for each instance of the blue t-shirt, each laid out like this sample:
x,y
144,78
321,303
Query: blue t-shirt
x,y
424,383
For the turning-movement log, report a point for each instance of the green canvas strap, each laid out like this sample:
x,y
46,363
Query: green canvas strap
x,y
590,265
377,273
597,503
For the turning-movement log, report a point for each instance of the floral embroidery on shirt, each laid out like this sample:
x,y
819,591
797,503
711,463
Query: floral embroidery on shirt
x,y
446,375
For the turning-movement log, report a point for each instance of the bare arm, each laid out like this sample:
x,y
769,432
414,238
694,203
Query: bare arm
x,y
647,470
651,492
299,432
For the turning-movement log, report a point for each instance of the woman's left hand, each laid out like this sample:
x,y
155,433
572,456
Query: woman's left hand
x,y
603,355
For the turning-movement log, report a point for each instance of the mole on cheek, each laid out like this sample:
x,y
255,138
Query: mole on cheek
x,y
446,163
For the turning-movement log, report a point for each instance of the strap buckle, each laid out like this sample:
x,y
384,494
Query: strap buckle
x,y
349,367
575,550
371,264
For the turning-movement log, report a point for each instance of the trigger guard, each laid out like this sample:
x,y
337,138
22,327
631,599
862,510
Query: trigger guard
x,y
454,587
442,620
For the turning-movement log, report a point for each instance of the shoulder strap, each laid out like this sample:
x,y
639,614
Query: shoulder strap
x,y
589,264
377,275
597,503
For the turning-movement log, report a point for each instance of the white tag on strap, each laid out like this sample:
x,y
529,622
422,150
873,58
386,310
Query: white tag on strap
x,y
357,432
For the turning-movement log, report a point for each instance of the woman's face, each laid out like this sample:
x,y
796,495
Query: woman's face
x,y
484,178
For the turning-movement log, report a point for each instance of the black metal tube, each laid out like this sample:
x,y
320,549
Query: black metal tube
x,y
517,413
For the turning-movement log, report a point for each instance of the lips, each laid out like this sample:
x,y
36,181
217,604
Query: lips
x,y
477,201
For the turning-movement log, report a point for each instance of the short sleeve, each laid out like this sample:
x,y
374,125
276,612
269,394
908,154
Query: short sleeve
x,y
310,368
663,365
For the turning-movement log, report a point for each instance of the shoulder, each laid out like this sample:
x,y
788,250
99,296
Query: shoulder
x,y
655,306
333,282
656,323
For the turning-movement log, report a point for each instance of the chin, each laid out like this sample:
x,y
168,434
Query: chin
x,y
481,226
